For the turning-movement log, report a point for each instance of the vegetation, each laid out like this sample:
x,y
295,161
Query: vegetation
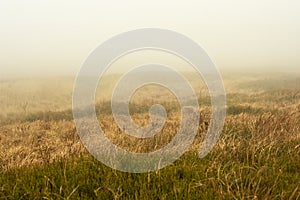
x,y
257,156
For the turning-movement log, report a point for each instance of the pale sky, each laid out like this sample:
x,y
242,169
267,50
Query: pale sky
x,y
39,37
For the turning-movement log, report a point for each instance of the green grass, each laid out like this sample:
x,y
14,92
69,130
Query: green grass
x,y
238,175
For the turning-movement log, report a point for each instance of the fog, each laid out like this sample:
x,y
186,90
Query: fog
x,y
53,38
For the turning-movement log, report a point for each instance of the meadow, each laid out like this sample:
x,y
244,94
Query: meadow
x,y
257,156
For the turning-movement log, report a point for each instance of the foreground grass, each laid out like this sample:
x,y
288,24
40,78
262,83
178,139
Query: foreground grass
x,y
271,174
257,157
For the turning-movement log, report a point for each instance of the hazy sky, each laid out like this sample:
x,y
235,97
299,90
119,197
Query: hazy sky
x,y
54,37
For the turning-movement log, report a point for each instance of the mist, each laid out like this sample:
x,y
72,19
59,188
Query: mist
x,y
53,38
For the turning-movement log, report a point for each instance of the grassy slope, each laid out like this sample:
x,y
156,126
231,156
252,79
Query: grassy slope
x,y
272,175
257,157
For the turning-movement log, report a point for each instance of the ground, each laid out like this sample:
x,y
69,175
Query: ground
x,y
257,156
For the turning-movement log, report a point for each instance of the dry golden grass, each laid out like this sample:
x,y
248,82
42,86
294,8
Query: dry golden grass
x,y
45,141
38,142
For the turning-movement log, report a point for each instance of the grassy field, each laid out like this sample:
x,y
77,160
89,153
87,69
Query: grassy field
x,y
257,156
